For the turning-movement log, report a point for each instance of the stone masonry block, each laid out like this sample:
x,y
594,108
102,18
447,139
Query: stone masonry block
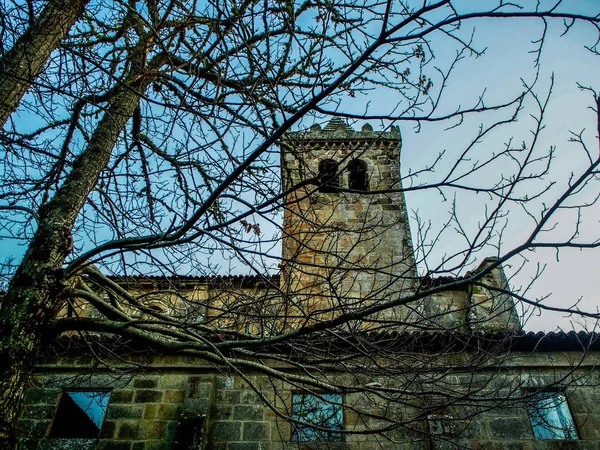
x,y
109,429
251,397
173,382
513,428
583,401
222,412
174,396
147,396
256,431
226,431
153,429
248,412
129,430
141,429
150,410
169,411
37,396
588,426
198,390
146,382
476,429
125,411
224,382
196,405
121,396
229,397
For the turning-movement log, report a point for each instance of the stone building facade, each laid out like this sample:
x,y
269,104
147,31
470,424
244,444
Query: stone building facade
x,y
450,370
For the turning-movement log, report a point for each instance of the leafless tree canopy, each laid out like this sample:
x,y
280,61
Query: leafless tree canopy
x,y
142,149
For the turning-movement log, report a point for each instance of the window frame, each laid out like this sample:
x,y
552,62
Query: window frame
x,y
52,433
542,429
305,433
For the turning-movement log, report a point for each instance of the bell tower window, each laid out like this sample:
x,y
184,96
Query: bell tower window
x,y
357,177
329,178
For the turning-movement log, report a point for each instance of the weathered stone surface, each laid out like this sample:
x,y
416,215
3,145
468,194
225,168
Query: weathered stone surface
x,y
251,397
588,426
173,382
129,430
37,396
150,410
145,382
174,396
125,411
224,382
248,412
141,429
229,397
510,428
226,431
198,389
109,429
121,396
196,405
147,395
169,411
222,413
256,431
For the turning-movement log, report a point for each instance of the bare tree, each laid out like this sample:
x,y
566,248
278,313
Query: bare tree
x,y
29,53
151,144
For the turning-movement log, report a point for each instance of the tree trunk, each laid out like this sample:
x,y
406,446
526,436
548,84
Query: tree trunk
x,y
27,58
35,294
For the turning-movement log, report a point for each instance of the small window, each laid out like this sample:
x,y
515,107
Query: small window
x,y
550,417
357,177
80,415
324,411
329,178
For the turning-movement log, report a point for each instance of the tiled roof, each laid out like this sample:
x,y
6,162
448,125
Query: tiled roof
x,y
396,343
553,341
237,280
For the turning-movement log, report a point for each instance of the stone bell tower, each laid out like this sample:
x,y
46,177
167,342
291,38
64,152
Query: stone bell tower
x,y
346,240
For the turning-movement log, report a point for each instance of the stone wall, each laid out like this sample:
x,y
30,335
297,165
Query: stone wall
x,y
155,409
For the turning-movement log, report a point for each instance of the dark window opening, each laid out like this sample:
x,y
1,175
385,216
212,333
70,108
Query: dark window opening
x,y
80,415
329,178
357,178
324,411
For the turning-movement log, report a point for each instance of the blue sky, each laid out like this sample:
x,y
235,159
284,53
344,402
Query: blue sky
x,y
501,71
